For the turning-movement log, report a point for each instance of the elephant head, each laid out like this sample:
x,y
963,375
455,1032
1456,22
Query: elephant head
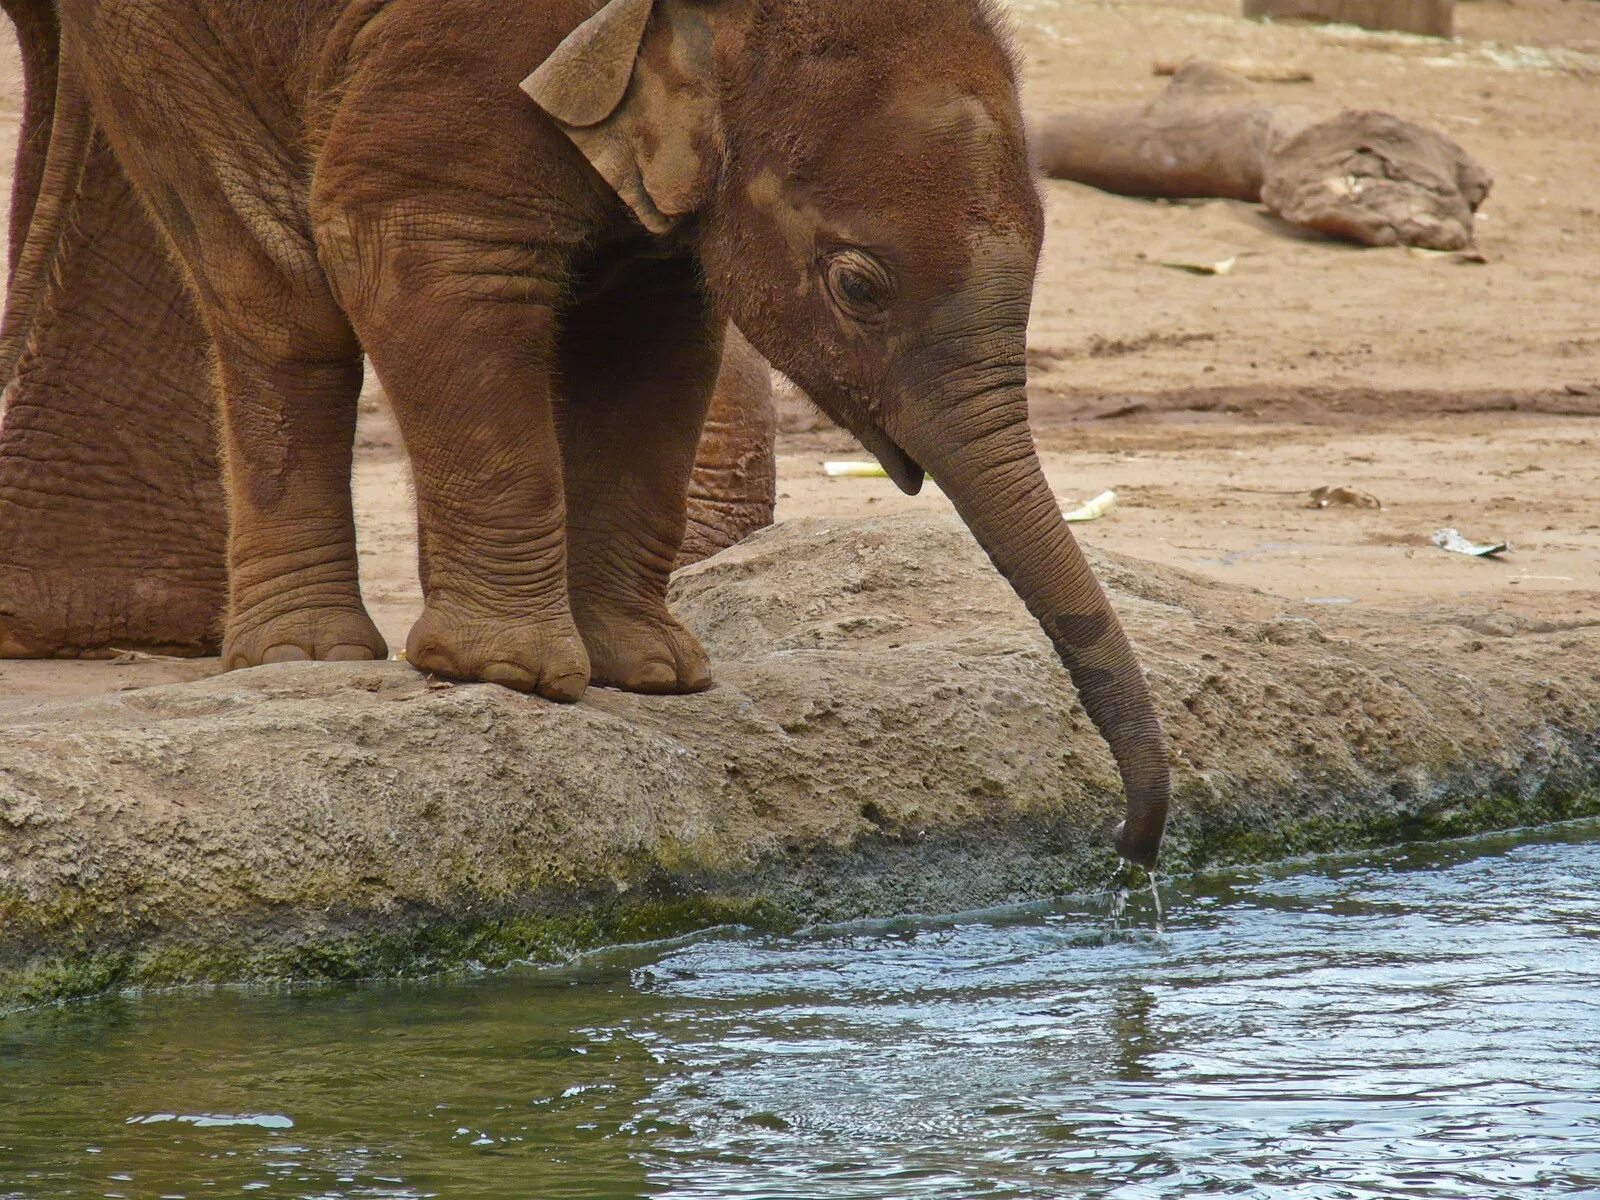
x,y
856,182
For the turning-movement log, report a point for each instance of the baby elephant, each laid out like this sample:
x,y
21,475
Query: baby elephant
x,y
532,213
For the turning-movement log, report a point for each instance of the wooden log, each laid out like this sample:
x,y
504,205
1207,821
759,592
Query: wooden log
x,y
1255,72
1431,18
1367,177
1205,136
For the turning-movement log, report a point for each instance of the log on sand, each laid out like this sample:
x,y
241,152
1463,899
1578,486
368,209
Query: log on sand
x,y
1364,176
1430,18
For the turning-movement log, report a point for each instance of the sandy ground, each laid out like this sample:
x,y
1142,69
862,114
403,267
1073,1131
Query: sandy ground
x,y
1461,395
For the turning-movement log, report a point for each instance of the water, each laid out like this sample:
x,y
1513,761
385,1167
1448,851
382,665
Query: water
x,y
1425,1023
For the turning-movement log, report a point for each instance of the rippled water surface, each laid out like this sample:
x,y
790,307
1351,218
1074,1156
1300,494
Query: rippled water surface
x,y
1425,1023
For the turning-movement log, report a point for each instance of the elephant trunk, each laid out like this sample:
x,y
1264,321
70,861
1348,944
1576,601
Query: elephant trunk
x,y
991,472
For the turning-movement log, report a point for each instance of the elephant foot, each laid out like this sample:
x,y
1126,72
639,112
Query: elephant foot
x,y
332,634
546,658
44,615
651,654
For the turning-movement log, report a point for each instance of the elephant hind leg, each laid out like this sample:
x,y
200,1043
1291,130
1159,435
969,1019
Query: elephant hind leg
x,y
289,380
289,430
638,365
734,492
289,374
112,521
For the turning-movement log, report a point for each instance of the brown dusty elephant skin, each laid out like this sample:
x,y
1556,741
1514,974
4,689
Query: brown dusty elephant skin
x,y
113,526
542,277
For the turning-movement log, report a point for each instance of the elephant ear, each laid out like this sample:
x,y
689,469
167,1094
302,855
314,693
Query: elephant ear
x,y
633,88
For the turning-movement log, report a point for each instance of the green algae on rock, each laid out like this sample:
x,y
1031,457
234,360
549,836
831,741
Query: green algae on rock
x,y
890,734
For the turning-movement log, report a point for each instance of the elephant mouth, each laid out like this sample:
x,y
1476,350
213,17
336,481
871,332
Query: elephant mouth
x,y
906,472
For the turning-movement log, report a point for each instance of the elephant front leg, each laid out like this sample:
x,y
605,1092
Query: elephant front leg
x,y
638,366
465,355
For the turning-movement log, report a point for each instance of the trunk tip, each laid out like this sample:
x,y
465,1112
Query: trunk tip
x,y
1140,846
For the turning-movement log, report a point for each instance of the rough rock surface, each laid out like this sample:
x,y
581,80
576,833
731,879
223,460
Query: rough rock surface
x,y
889,733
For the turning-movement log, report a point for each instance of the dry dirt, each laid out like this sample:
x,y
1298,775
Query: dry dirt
x,y
878,682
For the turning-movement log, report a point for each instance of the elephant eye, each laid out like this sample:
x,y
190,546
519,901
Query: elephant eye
x,y
857,289
859,284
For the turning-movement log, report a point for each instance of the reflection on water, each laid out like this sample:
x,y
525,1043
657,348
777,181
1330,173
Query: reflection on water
x,y
1425,1023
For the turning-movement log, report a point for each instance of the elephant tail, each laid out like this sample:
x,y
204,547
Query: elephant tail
x,y
71,132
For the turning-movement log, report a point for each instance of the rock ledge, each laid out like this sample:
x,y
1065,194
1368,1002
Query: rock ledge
x,y
890,733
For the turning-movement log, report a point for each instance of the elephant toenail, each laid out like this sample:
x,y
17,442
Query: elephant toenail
x,y
351,653
285,654
564,689
432,660
509,675
14,647
655,677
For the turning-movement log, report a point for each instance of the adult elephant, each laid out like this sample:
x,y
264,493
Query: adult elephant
x,y
542,288
113,526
